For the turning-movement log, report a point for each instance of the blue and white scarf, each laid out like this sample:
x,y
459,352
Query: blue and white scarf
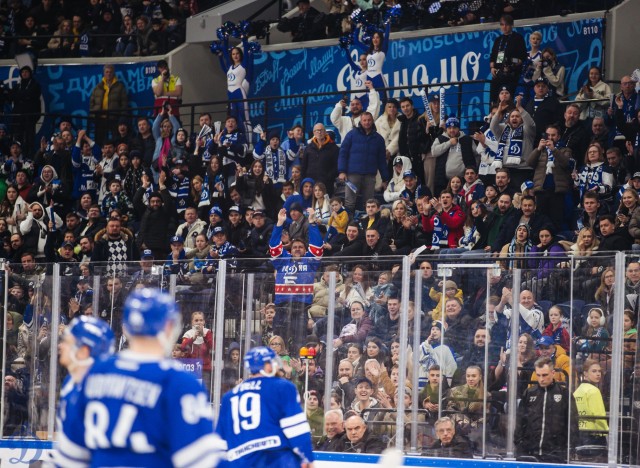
x,y
179,189
205,194
514,152
440,233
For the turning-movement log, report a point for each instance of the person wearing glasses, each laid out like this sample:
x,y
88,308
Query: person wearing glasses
x,y
320,159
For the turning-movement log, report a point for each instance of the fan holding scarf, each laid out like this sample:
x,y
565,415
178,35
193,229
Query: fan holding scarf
x,y
515,141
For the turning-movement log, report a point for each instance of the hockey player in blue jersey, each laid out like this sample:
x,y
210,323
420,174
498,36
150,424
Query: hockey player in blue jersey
x,y
261,419
86,340
138,408
295,275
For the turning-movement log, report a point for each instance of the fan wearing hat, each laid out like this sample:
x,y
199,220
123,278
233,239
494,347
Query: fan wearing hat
x,y
434,352
221,249
215,220
176,262
116,199
295,275
273,157
232,147
544,108
561,362
412,191
259,235
457,150
400,165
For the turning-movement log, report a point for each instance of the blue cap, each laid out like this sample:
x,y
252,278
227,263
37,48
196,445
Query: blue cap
x,y
147,253
527,184
216,210
177,239
408,174
67,244
545,341
218,230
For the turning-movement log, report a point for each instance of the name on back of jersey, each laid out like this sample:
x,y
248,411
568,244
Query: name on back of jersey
x,y
130,389
249,385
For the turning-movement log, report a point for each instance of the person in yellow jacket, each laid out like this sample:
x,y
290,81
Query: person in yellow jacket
x,y
450,291
561,362
592,419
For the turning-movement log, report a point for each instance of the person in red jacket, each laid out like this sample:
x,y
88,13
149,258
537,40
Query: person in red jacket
x,y
197,343
445,220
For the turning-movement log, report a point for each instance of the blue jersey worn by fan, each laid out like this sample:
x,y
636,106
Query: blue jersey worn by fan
x,y
262,421
295,277
138,408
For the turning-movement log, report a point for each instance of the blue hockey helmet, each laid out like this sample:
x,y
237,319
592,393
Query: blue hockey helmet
x,y
147,311
93,333
257,357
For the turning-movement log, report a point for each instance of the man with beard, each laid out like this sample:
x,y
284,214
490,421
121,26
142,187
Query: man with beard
x,y
345,124
155,223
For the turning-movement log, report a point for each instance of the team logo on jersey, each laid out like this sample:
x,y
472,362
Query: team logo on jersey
x,y
231,76
557,398
371,62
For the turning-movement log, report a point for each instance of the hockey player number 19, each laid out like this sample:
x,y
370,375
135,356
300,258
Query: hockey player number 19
x,y
245,411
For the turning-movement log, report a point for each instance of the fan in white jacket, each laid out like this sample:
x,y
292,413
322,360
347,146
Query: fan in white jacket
x,y
396,184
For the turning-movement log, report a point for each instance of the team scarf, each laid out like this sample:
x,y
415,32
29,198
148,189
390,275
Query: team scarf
x,y
440,233
590,177
179,189
467,239
514,152
488,156
443,106
427,108
205,195
551,159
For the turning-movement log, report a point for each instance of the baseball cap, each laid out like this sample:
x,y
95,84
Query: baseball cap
x,y
235,208
257,213
408,174
218,230
636,175
526,185
176,240
398,160
147,253
67,244
545,341
542,80
363,380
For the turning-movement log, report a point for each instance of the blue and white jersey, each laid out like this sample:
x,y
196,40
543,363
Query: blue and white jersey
x,y
136,410
69,454
263,424
236,75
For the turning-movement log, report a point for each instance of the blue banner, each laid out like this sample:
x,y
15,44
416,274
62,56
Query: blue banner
x,y
411,62
66,89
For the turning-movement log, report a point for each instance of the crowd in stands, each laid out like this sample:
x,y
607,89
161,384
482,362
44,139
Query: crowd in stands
x,y
95,28
542,187
335,19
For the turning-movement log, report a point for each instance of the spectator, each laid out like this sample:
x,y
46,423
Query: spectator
x,y
453,152
612,239
434,352
116,248
544,108
13,209
552,175
256,187
273,157
449,444
473,188
533,57
531,317
359,438
320,158
626,102
595,176
553,71
388,125
167,89
446,221
308,26
412,192
126,44
49,190
412,139
515,142
26,97
395,187
517,250
36,227
362,154
344,123
104,42
293,295
600,132
593,427
572,134
108,99
496,221
507,57
594,88
145,45
232,147
546,401
144,142
333,440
